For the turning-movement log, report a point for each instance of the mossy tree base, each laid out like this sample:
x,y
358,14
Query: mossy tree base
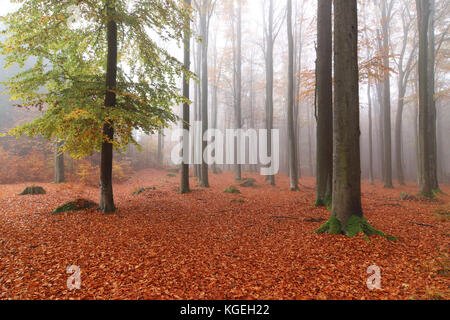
x,y
248,182
141,190
232,189
77,205
32,190
354,226
323,203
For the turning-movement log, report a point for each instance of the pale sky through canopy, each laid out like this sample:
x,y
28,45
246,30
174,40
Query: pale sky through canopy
x,y
6,6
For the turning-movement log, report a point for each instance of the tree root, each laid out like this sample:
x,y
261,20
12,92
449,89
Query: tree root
x,y
354,226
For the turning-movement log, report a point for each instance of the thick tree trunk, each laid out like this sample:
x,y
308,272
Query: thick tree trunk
x,y
346,160
187,64
59,163
106,188
426,186
324,104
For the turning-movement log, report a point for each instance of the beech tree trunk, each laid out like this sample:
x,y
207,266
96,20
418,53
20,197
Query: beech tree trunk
x,y
269,86
160,147
398,136
369,97
324,104
204,181
426,186
293,176
346,132
106,162
59,163
238,89
432,102
298,68
187,64
386,96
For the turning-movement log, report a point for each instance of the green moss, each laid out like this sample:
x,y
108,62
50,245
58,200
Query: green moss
x,y
335,226
141,190
354,226
324,203
250,182
79,204
332,226
232,189
319,203
430,196
171,175
439,191
32,190
406,196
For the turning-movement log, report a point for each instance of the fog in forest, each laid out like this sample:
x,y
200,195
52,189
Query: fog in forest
x,y
30,160
224,149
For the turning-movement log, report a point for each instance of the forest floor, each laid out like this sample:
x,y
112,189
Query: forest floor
x,y
209,244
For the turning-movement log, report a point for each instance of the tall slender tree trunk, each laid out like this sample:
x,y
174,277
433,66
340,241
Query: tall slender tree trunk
x,y
238,89
387,96
269,86
416,132
310,148
403,76
187,64
215,101
204,181
106,162
160,147
369,97
297,95
324,104
398,135
252,98
59,163
432,102
198,103
293,177
379,89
